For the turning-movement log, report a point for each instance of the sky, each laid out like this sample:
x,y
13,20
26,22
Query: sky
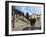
x,y
29,9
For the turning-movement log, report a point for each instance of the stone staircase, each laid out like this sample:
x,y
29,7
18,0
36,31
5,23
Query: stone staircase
x,y
21,23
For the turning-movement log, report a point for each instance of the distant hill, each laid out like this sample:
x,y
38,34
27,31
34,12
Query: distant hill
x,y
18,12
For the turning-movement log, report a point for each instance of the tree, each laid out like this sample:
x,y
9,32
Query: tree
x,y
32,22
23,14
13,14
27,16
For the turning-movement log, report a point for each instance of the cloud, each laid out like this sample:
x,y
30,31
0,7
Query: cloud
x,y
29,9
